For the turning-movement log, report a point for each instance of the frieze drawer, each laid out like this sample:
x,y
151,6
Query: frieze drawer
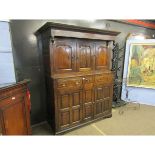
x,y
71,82
105,79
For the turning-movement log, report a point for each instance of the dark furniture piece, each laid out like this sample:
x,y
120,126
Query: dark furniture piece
x,y
79,83
14,113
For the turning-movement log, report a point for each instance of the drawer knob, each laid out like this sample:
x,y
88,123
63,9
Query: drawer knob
x,y
13,98
85,79
63,85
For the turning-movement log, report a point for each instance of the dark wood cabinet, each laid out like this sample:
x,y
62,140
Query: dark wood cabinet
x,y
14,113
79,82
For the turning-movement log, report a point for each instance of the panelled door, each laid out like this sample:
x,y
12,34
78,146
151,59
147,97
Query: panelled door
x,y
107,98
63,53
102,100
88,98
76,109
14,117
85,53
69,109
101,55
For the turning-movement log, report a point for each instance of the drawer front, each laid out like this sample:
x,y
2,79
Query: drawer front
x,y
11,92
69,84
104,79
11,100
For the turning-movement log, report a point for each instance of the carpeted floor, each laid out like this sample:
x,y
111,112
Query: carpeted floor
x,y
139,121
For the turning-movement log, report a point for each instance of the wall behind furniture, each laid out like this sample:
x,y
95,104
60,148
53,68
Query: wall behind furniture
x,y
27,57
7,72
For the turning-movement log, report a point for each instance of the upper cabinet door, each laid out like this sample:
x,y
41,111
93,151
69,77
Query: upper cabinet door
x,y
63,54
85,53
101,56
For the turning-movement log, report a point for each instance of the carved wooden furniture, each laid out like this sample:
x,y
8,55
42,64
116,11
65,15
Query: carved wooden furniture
x,y
79,82
14,114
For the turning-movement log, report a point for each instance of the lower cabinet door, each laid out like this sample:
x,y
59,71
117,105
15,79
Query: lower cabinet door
x,y
88,104
69,109
99,101
107,99
14,118
102,103
76,109
80,106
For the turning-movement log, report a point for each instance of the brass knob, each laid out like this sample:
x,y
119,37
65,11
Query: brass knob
x,y
13,98
77,83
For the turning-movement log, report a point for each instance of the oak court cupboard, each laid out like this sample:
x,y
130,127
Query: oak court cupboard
x,y
79,81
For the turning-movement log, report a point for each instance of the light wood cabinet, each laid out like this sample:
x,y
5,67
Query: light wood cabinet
x,y
14,113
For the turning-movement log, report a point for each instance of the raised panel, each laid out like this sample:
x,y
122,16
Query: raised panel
x,y
88,104
99,101
107,92
64,101
102,56
76,107
76,115
88,111
98,108
85,52
64,112
103,103
84,56
77,97
64,56
70,109
107,105
88,96
64,119
99,93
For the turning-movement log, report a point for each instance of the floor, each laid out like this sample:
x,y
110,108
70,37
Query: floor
x,y
126,120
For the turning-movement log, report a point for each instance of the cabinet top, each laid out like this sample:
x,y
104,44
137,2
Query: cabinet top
x,y
60,26
14,84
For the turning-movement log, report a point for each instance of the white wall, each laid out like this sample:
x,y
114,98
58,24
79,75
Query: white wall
x,y
7,72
